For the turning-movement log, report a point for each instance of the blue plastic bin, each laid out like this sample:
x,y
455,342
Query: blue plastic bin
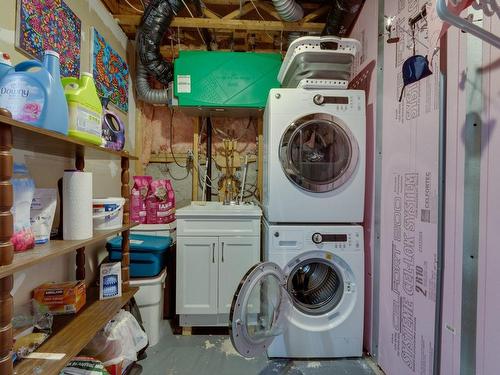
x,y
147,253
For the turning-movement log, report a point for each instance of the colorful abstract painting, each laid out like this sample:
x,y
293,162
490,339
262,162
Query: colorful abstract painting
x,y
50,25
110,73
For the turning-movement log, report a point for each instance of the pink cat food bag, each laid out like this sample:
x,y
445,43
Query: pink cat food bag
x,y
138,198
161,203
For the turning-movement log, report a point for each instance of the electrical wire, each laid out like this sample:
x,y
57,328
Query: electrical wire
x,y
260,15
134,8
192,16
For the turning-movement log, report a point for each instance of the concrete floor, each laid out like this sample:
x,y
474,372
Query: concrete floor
x,y
215,355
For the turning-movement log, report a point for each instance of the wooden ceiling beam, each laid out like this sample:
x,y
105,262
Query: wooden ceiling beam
x,y
239,12
237,3
169,54
209,14
316,13
249,25
112,5
268,8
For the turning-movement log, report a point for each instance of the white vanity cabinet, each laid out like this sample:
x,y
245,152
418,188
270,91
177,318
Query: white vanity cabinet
x,y
216,245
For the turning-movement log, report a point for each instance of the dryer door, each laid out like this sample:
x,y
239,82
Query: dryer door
x,y
259,309
319,153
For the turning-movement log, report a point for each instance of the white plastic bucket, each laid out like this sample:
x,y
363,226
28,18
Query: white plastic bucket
x,y
108,213
149,298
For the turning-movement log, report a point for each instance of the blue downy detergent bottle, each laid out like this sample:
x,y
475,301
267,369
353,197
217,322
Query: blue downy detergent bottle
x,y
36,96
5,64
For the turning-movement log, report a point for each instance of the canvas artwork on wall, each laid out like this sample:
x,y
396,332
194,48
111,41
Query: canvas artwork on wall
x,y
110,72
50,25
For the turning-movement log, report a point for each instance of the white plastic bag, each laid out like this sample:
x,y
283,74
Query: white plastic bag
x,y
43,210
119,341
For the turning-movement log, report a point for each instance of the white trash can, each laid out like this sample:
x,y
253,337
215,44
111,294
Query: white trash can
x,y
149,298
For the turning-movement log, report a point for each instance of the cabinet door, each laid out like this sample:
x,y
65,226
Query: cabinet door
x,y
197,269
236,256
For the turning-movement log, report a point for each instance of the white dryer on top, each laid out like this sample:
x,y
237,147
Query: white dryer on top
x,y
314,156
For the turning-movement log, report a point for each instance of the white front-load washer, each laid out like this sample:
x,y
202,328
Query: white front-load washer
x,y
314,156
306,299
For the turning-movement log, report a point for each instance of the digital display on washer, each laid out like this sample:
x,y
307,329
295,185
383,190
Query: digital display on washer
x,y
335,237
338,100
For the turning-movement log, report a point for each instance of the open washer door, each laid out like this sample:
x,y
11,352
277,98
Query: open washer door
x,y
259,309
312,282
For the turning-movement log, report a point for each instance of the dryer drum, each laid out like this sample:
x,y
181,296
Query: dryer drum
x,y
316,286
318,153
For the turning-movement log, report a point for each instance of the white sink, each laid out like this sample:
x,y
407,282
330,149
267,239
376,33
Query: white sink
x,y
218,209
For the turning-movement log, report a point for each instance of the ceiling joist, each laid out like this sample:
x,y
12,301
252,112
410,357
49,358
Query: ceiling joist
x,y
316,13
268,8
112,5
209,23
239,12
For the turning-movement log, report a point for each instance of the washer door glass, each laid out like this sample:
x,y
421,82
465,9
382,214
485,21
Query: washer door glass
x,y
315,285
319,153
259,309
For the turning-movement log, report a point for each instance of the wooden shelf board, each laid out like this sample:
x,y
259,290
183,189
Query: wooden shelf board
x,y
55,248
71,333
32,138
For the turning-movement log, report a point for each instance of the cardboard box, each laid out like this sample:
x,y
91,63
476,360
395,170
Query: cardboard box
x,y
61,298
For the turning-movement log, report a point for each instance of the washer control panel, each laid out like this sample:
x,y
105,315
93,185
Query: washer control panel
x,y
306,238
349,240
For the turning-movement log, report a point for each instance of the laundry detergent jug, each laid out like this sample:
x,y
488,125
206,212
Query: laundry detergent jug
x,y
33,93
84,106
113,129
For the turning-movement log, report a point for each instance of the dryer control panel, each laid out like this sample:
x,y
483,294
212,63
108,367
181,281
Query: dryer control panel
x,y
347,102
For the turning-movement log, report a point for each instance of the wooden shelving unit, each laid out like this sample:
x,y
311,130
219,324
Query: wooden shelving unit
x,y
71,333
53,249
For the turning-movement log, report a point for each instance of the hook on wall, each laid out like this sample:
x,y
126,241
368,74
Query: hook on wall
x,y
389,27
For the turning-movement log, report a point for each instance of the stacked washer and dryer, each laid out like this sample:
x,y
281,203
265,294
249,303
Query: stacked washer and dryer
x,y
306,300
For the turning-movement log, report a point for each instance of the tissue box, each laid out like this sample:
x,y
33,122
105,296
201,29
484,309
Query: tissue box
x,y
61,298
110,282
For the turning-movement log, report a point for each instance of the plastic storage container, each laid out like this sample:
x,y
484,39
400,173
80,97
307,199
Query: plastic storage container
x,y
36,96
149,298
108,213
147,253
84,107
23,188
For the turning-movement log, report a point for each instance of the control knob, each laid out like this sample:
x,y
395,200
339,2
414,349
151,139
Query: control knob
x,y
317,238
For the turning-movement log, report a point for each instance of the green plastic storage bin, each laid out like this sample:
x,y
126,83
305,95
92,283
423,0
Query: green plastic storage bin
x,y
216,79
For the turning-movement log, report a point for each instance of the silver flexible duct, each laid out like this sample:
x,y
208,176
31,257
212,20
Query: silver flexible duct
x,y
144,90
288,10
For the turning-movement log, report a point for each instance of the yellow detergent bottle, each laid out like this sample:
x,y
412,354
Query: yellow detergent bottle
x,y
85,109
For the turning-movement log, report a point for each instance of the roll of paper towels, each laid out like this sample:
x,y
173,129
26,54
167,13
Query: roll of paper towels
x,y
77,205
